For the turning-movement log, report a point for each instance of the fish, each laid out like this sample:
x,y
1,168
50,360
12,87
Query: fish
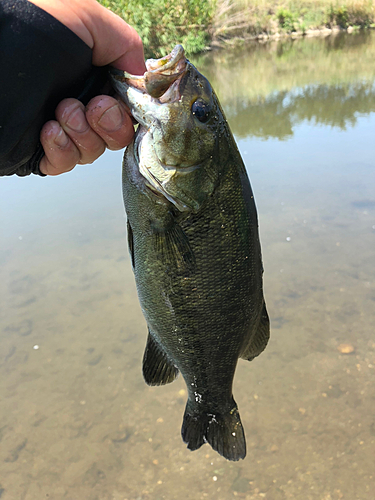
x,y
194,244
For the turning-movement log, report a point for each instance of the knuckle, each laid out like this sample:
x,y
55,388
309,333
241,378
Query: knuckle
x,y
89,156
137,41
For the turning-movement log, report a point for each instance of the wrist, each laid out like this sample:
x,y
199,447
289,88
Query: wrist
x,y
71,14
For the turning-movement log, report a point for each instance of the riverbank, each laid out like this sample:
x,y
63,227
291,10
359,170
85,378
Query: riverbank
x,y
237,21
203,24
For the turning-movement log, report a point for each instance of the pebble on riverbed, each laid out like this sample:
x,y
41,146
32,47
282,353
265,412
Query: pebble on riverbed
x,y
346,348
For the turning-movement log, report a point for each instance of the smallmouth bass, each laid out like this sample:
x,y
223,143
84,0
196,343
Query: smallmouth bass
x,y
194,245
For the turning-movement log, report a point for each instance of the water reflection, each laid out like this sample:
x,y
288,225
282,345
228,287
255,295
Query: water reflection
x,y
268,91
279,113
76,418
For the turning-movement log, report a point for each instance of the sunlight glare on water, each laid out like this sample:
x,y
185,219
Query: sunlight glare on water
x,y
77,419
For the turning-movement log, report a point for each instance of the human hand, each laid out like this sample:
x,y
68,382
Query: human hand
x,y
80,135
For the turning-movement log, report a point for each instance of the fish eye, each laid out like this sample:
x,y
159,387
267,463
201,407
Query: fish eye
x,y
201,110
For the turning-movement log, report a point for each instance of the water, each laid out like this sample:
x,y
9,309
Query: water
x,y
76,419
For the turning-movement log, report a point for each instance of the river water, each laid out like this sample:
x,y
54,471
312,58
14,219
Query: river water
x,y
76,419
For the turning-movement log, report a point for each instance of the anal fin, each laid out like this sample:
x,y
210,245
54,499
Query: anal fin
x,y
259,340
157,368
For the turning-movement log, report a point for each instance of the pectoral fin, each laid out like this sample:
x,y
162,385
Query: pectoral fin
x,y
130,242
173,247
258,342
157,368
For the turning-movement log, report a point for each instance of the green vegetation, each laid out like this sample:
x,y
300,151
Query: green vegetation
x,y
163,23
236,20
200,23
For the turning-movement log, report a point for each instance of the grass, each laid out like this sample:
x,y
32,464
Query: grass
x,y
198,24
163,23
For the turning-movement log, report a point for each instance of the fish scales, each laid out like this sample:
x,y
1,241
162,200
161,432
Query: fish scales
x,y
193,238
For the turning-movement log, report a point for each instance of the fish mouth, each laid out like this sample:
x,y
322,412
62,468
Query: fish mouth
x,y
160,81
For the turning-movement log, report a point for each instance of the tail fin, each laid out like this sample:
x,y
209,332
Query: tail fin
x,y
224,432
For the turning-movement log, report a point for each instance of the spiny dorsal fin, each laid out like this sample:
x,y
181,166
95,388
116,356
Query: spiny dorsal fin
x,y
259,340
157,368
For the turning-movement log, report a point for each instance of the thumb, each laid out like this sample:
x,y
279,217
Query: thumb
x,y
114,41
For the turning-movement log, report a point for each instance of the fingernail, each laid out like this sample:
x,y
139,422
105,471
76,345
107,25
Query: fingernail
x,y
77,121
61,140
112,119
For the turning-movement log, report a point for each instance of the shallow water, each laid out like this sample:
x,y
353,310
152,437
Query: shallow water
x,y
76,419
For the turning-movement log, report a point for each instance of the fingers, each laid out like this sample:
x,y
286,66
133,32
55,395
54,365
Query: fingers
x,y
110,120
80,135
61,155
120,46
71,115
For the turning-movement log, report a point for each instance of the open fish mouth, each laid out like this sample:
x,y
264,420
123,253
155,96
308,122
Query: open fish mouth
x,y
160,81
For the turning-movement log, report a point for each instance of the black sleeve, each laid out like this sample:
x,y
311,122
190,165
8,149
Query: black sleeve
x,y
41,63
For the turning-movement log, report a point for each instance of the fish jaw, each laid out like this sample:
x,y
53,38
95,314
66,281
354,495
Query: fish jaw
x,y
160,81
